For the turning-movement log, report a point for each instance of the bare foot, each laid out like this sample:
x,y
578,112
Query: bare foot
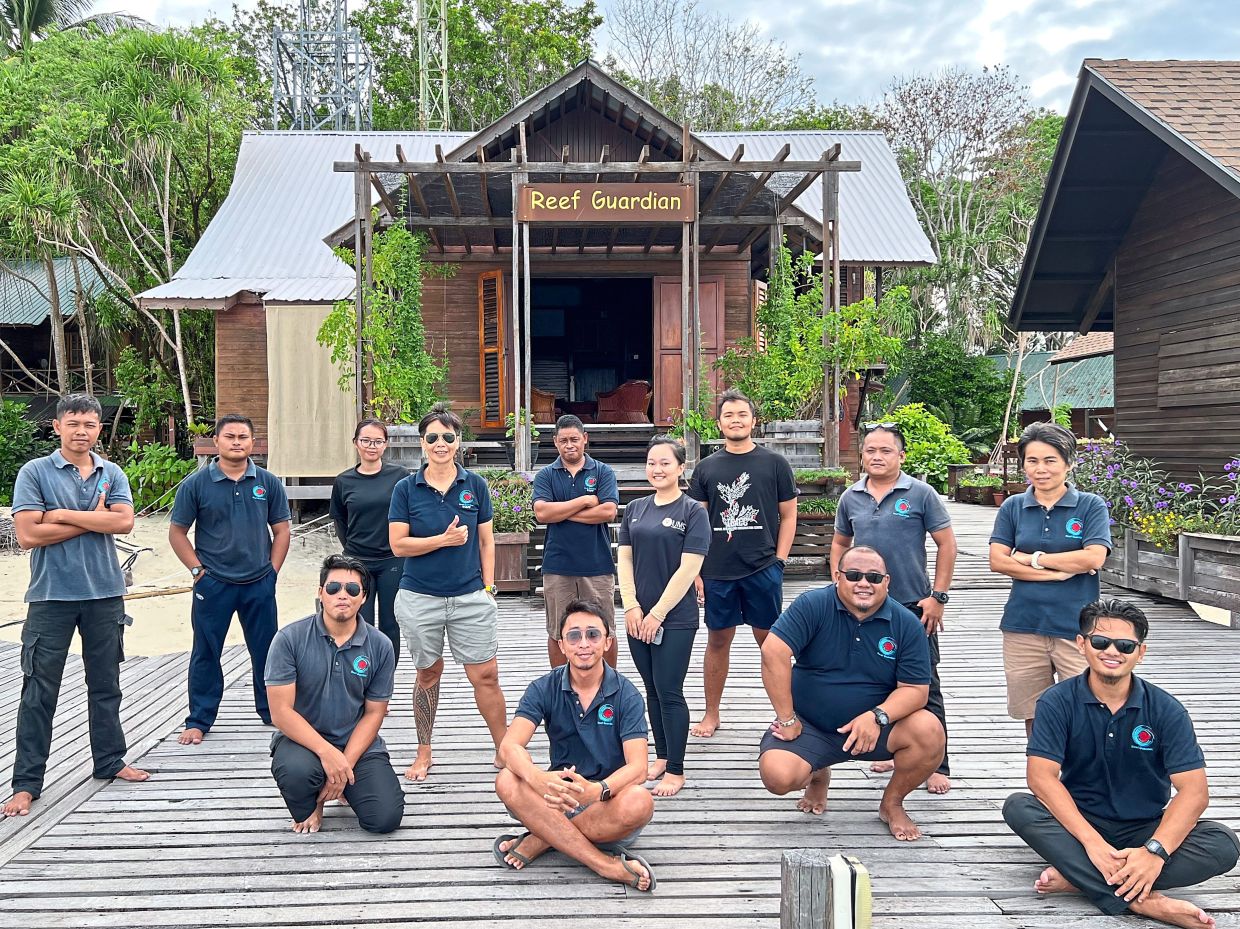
x,y
814,800
899,822
883,767
706,728
655,771
311,823
938,783
19,804
529,845
130,773
669,786
421,764
1173,911
191,736
1051,881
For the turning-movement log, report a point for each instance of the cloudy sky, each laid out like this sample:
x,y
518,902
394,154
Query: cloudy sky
x,y
855,47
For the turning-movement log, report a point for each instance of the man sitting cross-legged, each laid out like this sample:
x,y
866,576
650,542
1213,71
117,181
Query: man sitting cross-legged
x,y
329,679
858,690
592,795
1106,749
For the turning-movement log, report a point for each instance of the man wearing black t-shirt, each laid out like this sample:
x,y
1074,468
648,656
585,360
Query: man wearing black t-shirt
x,y
751,496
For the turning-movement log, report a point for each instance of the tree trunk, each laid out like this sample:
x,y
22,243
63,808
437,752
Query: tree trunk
x,y
183,375
57,321
88,368
1022,340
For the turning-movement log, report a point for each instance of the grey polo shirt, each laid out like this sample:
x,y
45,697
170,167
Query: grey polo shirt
x,y
333,681
84,567
896,528
231,519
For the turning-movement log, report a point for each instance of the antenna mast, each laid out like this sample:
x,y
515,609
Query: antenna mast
x,y
433,58
321,72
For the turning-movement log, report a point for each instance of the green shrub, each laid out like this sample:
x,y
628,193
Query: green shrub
x,y
512,498
154,472
818,506
19,442
813,475
929,444
981,480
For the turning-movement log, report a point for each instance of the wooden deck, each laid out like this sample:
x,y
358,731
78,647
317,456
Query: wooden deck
x,y
205,843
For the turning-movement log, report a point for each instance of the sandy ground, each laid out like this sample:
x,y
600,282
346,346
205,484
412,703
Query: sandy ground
x,y
161,624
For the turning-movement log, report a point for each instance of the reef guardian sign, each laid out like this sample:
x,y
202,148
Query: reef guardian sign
x,y
605,203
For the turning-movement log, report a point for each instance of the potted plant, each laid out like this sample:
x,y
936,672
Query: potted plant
x,y
512,500
980,489
829,481
816,509
527,420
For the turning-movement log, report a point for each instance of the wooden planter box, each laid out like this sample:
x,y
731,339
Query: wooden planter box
x,y
511,571
981,496
1204,569
832,487
811,546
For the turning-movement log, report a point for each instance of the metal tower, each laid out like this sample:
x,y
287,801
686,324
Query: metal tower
x,y
321,72
433,61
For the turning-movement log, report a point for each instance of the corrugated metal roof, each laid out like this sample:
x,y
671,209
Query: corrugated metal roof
x,y
1086,346
21,303
1085,384
877,222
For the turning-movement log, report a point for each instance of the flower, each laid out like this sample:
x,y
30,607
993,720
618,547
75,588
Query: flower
x,y
1128,500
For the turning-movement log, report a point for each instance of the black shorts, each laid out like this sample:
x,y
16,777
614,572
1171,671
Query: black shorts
x,y
823,749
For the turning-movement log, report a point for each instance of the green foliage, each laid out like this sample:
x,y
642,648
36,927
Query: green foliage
x,y
520,416
930,445
981,480
818,506
19,442
785,378
146,389
512,500
1061,414
405,376
154,472
818,475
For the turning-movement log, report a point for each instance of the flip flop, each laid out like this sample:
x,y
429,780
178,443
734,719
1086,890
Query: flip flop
x,y
625,857
501,855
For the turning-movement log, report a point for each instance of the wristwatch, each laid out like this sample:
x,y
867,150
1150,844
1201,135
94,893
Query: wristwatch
x,y
1154,847
790,721
491,589
940,595
1033,560
881,715
605,791
197,571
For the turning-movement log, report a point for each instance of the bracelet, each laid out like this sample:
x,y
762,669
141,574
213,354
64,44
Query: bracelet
x,y
1033,560
785,723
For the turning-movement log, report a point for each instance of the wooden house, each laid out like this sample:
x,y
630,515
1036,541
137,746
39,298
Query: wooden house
x,y
597,307
1139,235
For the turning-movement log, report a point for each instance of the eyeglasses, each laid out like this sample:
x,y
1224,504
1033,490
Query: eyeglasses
x,y
889,427
593,634
874,577
372,443
432,437
1101,643
352,588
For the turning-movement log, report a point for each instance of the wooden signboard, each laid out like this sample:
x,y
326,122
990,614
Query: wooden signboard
x,y
605,203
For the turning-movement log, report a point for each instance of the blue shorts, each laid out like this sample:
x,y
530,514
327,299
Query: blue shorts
x,y
756,600
823,749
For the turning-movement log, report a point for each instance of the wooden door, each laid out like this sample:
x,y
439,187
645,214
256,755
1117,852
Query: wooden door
x,y
669,370
492,350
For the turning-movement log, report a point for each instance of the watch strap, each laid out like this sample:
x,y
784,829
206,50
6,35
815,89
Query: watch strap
x,y
1154,847
605,791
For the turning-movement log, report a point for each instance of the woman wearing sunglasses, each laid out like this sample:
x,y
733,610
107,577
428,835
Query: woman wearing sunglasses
x,y
1051,540
663,541
361,498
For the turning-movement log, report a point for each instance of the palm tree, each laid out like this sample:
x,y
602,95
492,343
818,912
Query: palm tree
x,y
23,21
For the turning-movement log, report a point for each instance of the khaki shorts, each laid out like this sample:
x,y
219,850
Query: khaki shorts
x,y
559,590
471,622
1032,663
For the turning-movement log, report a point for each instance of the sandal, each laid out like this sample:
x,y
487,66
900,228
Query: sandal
x,y
501,855
625,857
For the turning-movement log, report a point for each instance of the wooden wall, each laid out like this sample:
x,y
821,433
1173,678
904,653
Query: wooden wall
x,y
1177,323
241,363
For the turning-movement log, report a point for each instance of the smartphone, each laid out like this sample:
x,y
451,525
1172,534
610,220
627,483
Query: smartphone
x,y
658,637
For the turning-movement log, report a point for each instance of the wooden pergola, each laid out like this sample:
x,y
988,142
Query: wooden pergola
x,y
467,205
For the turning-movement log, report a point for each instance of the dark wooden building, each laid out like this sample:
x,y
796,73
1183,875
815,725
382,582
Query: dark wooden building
x,y
1139,235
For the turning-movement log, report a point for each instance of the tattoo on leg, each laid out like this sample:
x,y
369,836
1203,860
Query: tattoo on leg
x,y
425,705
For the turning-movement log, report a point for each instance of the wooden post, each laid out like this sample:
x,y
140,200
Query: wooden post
x,y
830,304
522,434
368,231
695,444
1131,557
518,178
686,326
805,890
1185,565
359,208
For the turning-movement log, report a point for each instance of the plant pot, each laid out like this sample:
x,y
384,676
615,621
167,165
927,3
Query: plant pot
x,y
998,497
512,562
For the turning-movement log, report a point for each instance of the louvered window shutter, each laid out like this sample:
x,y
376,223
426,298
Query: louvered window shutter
x,y
491,347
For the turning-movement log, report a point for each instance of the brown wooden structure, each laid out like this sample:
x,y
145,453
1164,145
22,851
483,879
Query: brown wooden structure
x,y
1139,234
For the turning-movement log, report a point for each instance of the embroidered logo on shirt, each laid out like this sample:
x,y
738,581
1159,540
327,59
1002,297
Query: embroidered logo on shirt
x,y
887,648
260,492
734,516
102,487
591,483
903,508
606,715
1075,529
669,523
1143,738
361,665
466,499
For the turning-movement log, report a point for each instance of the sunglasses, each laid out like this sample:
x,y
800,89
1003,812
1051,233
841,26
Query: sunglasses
x,y
352,588
852,575
593,634
432,437
1101,643
890,427
372,443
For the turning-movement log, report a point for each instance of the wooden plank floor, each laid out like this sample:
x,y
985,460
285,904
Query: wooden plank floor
x,y
205,843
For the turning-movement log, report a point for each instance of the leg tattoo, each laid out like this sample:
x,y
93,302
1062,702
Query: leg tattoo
x,y
425,705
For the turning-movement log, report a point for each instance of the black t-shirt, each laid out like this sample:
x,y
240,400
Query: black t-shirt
x,y
659,535
359,508
742,494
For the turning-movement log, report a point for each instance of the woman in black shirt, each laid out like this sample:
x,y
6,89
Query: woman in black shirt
x,y
360,500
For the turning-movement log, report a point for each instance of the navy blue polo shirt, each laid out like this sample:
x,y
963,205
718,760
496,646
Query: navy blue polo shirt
x,y
1116,767
333,681
896,528
845,667
444,572
591,738
1051,608
232,519
577,549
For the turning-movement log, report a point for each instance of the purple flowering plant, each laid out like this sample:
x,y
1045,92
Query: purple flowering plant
x,y
512,499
